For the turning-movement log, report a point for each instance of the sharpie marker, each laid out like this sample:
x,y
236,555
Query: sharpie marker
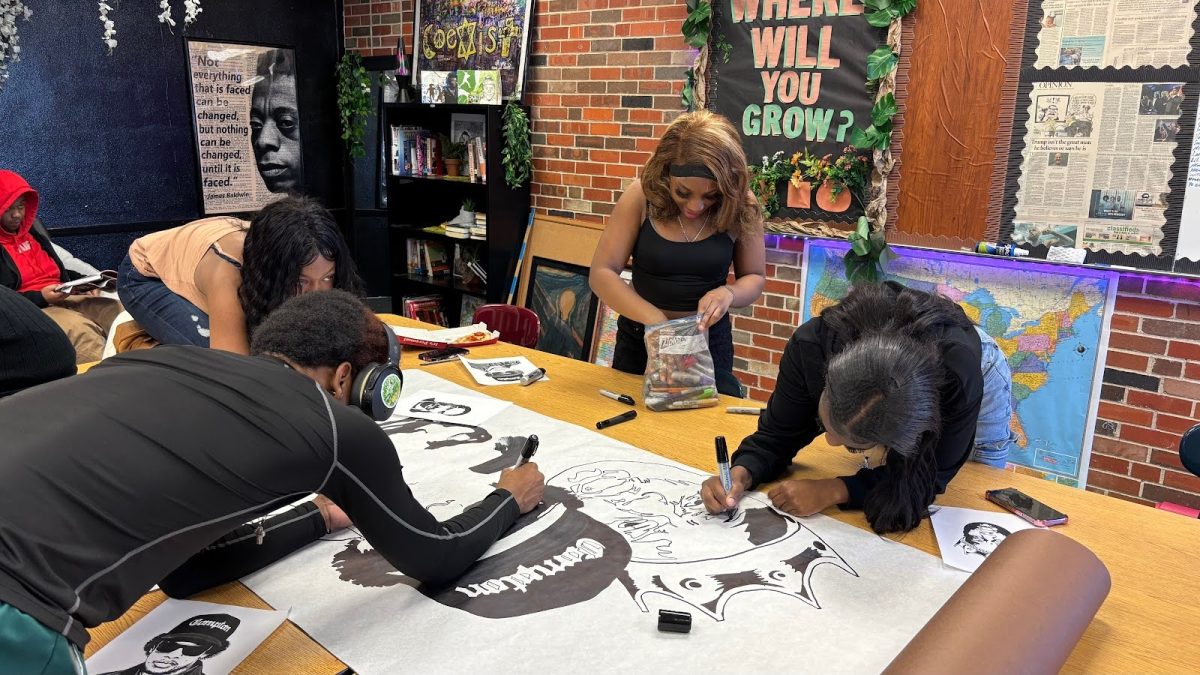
x,y
734,410
623,398
623,417
723,470
532,376
531,446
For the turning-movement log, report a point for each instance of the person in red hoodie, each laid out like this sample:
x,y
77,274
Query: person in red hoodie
x,y
29,265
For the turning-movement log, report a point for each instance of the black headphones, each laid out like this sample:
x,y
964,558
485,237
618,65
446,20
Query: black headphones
x,y
376,389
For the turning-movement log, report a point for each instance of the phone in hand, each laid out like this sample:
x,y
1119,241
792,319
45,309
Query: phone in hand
x,y
440,355
1027,507
104,281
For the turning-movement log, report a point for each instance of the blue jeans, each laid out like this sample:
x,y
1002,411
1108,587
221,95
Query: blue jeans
x,y
993,432
168,317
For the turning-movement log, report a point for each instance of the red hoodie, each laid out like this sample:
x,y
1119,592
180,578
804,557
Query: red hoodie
x,y
34,265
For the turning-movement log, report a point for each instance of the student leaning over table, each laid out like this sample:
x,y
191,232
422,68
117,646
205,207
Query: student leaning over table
x,y
211,282
685,222
195,443
888,366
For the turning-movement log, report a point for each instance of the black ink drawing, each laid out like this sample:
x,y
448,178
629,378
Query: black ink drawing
x,y
981,538
638,523
443,408
183,650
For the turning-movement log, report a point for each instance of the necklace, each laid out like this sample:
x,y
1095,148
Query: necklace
x,y
698,232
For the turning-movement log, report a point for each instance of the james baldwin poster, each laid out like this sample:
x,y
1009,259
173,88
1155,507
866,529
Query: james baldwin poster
x,y
795,79
247,123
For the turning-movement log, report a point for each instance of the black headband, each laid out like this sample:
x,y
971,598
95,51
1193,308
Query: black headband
x,y
691,171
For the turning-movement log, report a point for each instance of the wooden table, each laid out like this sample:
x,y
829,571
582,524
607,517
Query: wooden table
x,y
1145,625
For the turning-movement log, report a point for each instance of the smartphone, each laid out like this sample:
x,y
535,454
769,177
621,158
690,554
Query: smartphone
x,y
104,281
1027,507
440,355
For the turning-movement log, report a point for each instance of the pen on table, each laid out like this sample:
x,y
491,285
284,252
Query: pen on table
x,y
623,398
531,446
623,417
723,469
532,376
737,410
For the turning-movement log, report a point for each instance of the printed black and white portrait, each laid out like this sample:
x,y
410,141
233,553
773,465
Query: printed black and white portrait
x,y
452,408
504,370
247,118
966,537
275,121
183,637
465,126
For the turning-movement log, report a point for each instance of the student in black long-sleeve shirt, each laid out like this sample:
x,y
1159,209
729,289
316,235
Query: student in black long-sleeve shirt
x,y
169,450
891,367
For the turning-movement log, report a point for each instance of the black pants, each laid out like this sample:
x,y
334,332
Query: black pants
x,y
629,354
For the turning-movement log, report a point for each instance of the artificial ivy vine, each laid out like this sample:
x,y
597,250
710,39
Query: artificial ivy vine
x,y
516,153
880,64
697,28
354,102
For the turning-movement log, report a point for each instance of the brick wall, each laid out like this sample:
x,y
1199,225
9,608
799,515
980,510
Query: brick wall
x,y
603,83
372,27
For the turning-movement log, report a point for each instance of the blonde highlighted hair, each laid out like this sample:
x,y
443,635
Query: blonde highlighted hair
x,y
706,139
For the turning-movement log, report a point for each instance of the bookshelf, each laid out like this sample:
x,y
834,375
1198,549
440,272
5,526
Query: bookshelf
x,y
416,202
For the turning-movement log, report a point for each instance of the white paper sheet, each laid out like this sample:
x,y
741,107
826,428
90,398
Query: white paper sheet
x,y
194,626
577,584
462,409
967,537
503,370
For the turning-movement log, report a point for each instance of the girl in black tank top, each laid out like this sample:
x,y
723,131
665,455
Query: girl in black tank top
x,y
696,181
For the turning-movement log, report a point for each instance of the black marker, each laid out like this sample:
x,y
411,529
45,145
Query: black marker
x,y
531,446
723,469
623,417
532,376
623,398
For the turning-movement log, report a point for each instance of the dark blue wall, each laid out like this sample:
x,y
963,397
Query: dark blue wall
x,y
107,140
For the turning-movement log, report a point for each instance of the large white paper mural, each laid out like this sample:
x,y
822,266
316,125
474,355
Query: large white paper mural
x,y
579,580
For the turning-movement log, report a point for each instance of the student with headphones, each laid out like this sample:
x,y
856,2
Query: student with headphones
x,y
197,444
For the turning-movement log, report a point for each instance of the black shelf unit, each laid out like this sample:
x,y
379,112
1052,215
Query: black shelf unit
x,y
416,202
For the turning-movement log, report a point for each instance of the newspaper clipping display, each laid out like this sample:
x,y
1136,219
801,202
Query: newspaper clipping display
x,y
1097,165
247,124
1189,226
1115,33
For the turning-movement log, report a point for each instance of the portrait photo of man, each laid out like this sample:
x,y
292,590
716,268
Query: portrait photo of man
x,y
182,651
275,121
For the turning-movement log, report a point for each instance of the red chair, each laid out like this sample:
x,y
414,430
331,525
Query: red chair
x,y
517,325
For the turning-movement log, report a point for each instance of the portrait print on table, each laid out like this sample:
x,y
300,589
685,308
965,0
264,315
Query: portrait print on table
x,y
469,410
186,637
560,295
621,534
473,35
966,537
503,370
247,122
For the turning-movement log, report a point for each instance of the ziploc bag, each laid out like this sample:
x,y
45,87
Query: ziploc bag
x,y
679,367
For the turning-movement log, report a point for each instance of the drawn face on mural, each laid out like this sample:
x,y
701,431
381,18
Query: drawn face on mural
x,y
275,122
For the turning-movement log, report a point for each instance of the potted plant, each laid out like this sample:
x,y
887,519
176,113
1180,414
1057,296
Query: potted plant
x,y
764,181
453,153
837,180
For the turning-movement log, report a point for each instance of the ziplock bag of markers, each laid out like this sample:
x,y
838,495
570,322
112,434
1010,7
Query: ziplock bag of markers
x,y
679,367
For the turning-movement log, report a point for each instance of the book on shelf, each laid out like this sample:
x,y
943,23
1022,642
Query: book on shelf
x,y
427,308
414,257
472,166
438,263
481,157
